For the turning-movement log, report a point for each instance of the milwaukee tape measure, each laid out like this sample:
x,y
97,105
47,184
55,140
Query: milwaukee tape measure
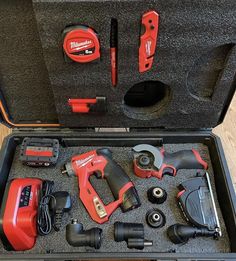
x,y
81,44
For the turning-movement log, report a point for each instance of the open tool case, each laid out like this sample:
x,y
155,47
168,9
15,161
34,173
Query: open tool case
x,y
175,104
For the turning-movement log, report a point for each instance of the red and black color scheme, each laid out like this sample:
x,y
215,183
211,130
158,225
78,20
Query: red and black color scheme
x,y
18,214
93,105
39,152
149,161
148,40
81,44
100,163
113,50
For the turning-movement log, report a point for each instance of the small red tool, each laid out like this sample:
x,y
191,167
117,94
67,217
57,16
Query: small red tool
x,y
149,161
100,163
113,50
18,214
81,44
94,105
148,40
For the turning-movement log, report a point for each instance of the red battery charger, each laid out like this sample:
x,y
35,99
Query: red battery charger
x,y
18,214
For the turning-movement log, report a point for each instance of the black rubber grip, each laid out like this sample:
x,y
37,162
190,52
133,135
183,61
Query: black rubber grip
x,y
185,159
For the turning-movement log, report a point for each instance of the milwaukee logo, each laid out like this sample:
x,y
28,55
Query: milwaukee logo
x,y
81,163
148,48
80,45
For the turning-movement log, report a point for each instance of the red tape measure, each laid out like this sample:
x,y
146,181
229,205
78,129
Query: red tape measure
x,y
81,44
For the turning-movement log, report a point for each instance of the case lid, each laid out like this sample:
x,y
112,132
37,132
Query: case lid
x,y
190,84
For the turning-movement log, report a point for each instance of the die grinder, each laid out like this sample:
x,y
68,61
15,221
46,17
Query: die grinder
x,y
100,163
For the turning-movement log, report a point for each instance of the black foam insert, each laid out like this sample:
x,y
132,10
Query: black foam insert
x,y
189,31
24,78
56,242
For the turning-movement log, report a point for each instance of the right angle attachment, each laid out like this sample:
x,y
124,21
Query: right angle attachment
x,y
76,236
132,233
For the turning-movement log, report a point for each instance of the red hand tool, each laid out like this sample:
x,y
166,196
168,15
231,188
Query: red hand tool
x,y
149,161
148,40
100,163
18,229
81,44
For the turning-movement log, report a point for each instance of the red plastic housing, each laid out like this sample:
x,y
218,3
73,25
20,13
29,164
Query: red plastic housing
x,y
19,213
148,41
81,44
84,166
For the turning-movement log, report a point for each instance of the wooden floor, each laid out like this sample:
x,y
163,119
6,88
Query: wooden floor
x,y
226,131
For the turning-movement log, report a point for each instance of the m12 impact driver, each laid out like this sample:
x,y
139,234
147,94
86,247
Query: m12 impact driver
x,y
149,161
100,163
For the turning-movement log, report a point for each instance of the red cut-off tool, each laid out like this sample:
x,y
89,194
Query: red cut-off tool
x,y
149,161
148,40
81,44
94,105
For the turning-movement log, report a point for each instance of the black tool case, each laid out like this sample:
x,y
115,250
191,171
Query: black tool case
x,y
175,104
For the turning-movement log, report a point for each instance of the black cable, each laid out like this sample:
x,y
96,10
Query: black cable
x,y
44,221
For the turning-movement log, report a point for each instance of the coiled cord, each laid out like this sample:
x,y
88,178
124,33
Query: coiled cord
x,y
44,221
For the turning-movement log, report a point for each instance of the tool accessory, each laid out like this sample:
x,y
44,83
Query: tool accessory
x,y
149,161
155,218
180,234
101,164
18,214
157,195
148,40
197,203
39,152
132,233
76,236
81,44
94,105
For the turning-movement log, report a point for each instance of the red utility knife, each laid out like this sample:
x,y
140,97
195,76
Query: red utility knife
x,y
148,40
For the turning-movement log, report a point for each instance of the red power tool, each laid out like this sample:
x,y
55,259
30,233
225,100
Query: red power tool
x,y
100,163
149,161
81,43
148,40
18,214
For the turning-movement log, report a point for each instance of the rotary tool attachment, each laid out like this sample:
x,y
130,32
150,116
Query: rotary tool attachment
x,y
156,195
155,218
182,233
76,236
132,233
198,205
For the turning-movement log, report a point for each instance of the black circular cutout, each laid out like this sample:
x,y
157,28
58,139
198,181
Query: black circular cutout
x,y
147,100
